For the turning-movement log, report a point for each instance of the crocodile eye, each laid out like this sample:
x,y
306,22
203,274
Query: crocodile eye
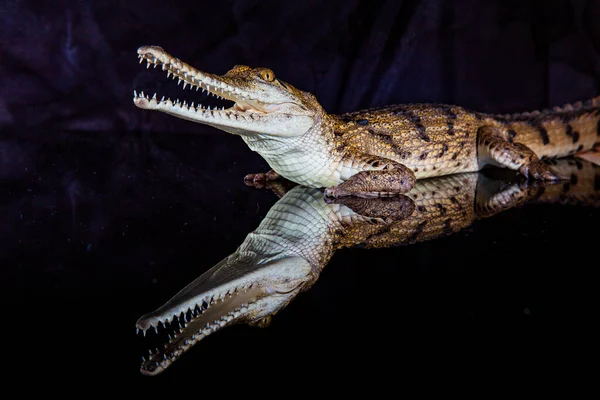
x,y
267,75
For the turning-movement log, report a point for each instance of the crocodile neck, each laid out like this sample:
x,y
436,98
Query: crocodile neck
x,y
307,159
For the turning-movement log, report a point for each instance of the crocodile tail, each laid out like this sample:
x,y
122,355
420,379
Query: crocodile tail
x,y
556,132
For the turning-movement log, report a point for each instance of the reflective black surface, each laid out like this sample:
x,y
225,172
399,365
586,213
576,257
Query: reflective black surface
x,y
98,230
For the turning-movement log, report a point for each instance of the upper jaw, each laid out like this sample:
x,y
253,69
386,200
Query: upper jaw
x,y
197,79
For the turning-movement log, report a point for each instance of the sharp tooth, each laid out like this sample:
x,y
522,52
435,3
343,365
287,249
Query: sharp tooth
x,y
150,351
168,74
137,331
161,100
134,93
147,64
141,59
143,359
144,333
154,97
178,81
184,84
197,87
164,66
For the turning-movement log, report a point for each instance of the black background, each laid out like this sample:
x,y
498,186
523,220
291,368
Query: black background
x,y
108,210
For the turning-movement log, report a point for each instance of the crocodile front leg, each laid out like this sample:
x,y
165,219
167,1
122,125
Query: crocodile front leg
x,y
493,149
387,178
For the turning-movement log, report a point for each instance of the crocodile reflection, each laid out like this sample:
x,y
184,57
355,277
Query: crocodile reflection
x,y
286,253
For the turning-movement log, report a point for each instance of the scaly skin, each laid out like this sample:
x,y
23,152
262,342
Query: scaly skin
x,y
375,152
287,252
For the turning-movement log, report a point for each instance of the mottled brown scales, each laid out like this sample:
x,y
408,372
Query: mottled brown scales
x,y
415,136
433,140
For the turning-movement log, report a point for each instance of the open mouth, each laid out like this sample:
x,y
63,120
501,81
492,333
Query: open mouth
x,y
232,102
182,327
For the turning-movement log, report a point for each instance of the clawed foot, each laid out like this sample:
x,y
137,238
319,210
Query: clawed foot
x,y
260,181
540,170
271,181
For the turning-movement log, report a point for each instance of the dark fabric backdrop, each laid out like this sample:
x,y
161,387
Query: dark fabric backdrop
x,y
73,63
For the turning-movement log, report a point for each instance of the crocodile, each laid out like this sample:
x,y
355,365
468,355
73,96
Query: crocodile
x,y
301,232
374,152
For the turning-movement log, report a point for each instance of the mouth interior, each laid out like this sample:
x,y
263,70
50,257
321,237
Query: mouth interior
x,y
218,95
180,332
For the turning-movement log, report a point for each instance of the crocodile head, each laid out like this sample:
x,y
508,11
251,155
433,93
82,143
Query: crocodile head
x,y
242,288
262,104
